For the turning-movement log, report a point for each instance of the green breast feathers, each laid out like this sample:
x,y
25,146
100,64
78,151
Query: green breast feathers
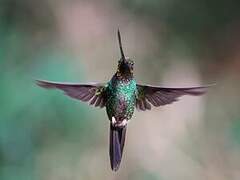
x,y
122,99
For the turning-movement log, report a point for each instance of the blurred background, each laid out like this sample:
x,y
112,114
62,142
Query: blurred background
x,y
45,135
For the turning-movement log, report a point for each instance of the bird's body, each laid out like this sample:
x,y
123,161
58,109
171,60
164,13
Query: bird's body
x,y
121,95
121,98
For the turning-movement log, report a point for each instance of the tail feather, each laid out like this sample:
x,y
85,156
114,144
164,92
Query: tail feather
x,y
117,140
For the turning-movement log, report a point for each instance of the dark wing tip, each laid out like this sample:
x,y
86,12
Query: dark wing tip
x,y
45,84
42,83
197,91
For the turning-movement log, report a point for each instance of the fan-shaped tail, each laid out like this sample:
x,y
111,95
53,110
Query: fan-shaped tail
x,y
117,140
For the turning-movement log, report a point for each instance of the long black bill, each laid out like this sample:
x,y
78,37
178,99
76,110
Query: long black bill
x,y
116,145
120,45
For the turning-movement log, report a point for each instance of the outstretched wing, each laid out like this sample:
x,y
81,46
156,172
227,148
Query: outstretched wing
x,y
159,96
93,93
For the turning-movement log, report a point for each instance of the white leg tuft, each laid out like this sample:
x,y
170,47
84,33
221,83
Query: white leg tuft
x,y
113,121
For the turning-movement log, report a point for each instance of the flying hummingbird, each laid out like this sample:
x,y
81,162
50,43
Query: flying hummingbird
x,y
120,96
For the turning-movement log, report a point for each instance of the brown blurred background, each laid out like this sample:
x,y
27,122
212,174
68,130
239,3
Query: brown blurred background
x,y
45,135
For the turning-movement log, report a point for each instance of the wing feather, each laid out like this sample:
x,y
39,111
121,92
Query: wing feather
x,y
95,93
158,96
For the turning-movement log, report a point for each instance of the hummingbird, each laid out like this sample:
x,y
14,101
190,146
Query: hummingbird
x,y
121,96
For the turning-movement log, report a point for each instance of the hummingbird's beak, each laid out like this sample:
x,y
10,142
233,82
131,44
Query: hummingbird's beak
x,y
120,45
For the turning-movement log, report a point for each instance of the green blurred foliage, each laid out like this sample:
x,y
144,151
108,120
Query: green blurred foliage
x,y
28,119
193,21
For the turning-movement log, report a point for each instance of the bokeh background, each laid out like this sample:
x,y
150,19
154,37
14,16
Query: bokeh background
x,y
45,135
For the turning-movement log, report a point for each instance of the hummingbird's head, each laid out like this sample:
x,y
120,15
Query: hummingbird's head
x,y
125,64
